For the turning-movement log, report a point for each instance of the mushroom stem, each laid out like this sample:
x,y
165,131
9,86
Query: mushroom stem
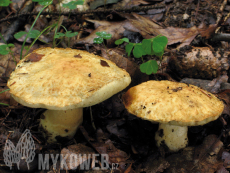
x,y
174,137
61,123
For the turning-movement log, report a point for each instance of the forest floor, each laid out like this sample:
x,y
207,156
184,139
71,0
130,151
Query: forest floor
x,y
197,53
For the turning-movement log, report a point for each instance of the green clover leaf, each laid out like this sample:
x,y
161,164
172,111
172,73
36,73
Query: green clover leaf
x,y
149,67
59,34
5,3
32,34
138,50
43,2
70,34
120,41
104,35
73,4
19,34
146,44
4,49
158,44
98,40
128,48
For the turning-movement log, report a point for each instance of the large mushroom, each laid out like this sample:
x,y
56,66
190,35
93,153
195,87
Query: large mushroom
x,y
175,106
64,81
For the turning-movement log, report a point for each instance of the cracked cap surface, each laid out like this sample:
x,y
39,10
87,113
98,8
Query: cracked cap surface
x,y
62,79
172,102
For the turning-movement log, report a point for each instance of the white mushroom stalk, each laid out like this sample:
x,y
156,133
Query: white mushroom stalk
x,y
61,123
174,137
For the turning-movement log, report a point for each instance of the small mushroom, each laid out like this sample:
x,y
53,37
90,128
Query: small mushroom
x,y
61,83
175,106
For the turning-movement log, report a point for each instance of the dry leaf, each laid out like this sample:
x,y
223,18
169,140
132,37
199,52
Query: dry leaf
x,y
203,158
76,150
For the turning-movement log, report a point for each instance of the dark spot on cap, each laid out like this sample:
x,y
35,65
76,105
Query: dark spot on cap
x,y
177,89
148,112
34,57
66,130
22,73
42,116
144,107
91,90
78,56
104,63
172,130
12,83
89,74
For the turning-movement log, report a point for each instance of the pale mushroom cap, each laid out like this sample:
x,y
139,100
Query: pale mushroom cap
x,y
172,102
62,79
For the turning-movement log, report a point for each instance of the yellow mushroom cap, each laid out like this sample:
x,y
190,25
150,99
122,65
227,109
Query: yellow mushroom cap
x,y
62,79
173,103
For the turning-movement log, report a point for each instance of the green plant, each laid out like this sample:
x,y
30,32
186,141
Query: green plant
x,y
152,46
1,93
101,36
5,3
5,48
73,4
100,39
68,34
35,34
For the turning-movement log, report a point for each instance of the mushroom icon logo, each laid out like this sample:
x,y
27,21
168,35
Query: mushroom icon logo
x,y
25,149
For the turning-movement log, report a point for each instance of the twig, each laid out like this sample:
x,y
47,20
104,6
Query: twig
x,y
221,37
220,14
127,10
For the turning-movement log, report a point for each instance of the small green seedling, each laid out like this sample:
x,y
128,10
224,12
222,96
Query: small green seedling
x,y
1,93
149,67
155,46
152,46
68,34
5,3
122,40
5,49
101,36
31,32
73,4
35,34
43,2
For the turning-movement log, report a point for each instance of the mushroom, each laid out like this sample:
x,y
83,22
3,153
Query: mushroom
x,y
175,106
64,81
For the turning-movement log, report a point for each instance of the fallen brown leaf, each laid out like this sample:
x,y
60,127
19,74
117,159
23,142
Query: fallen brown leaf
x,y
153,164
104,145
76,150
204,158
